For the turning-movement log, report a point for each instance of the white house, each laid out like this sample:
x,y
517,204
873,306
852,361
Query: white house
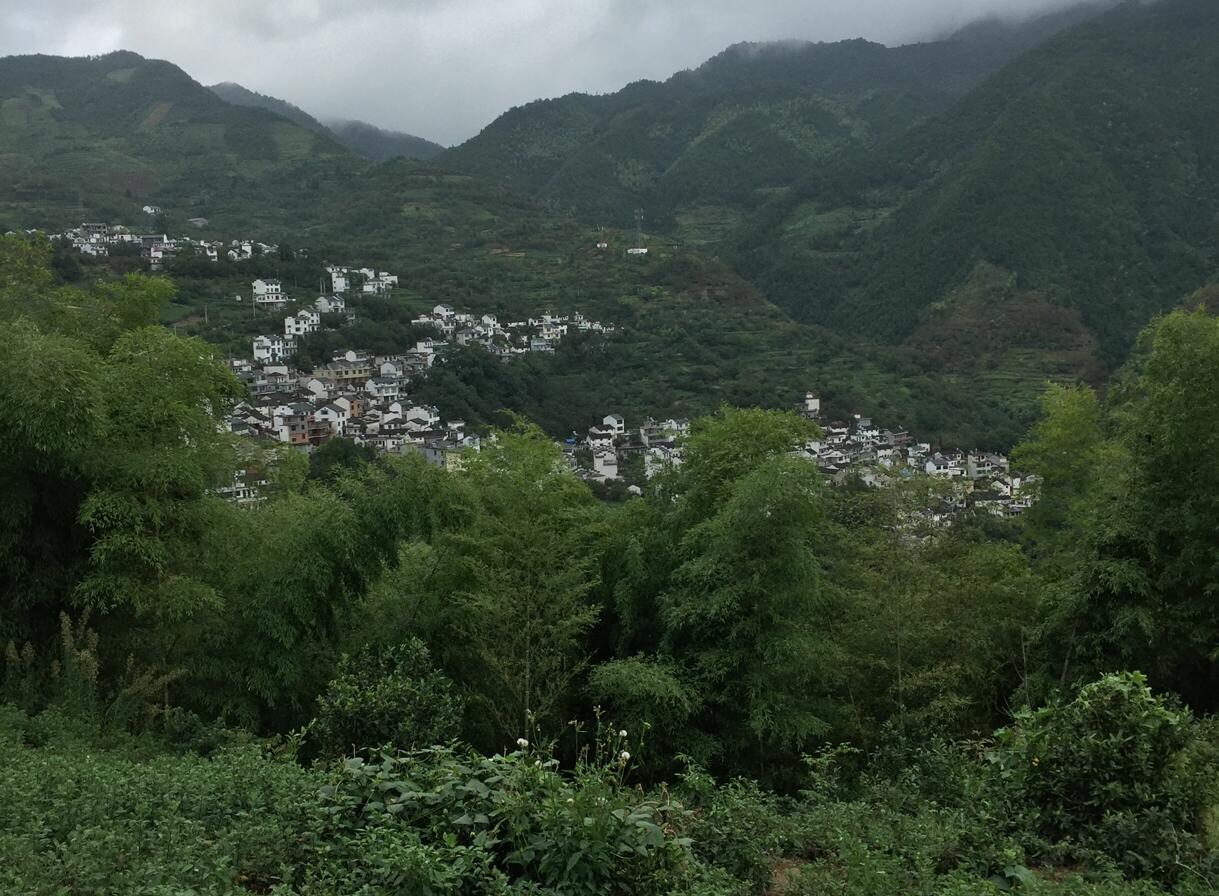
x,y
423,416
335,415
615,424
304,321
605,465
599,439
943,467
383,387
380,283
317,388
273,349
660,460
269,293
982,465
338,279
330,305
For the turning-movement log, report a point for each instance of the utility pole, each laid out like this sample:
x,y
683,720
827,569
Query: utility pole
x,y
638,228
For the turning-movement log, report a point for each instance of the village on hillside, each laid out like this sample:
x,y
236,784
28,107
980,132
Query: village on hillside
x,y
102,240
365,398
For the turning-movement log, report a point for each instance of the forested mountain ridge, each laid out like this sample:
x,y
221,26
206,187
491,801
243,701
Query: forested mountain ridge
x,y
699,150
1088,168
98,137
380,145
365,140
232,92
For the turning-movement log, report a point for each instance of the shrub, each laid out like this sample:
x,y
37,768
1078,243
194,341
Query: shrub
x,y
499,822
1109,773
391,698
737,827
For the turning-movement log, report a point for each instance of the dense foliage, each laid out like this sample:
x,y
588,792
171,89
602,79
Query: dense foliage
x,y
1082,167
701,150
389,678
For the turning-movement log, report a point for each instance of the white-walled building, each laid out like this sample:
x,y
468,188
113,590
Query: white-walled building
x,y
269,293
338,279
335,415
605,465
273,349
379,283
330,305
304,321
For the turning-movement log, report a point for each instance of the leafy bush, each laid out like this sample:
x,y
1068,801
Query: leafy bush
x,y
500,824
79,820
1111,772
738,827
391,698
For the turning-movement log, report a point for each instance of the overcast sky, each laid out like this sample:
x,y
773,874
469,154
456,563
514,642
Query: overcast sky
x,y
443,69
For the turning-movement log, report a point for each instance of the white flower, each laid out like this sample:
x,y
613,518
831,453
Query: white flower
x,y
571,799
624,755
522,743
622,733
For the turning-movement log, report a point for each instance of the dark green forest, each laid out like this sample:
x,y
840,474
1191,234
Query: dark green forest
x,y
395,679
1086,168
706,147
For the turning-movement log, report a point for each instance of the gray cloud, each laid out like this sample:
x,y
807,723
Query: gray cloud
x,y
443,69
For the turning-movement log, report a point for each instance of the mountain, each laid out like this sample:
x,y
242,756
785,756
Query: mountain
x,y
99,137
379,145
365,140
704,148
1088,169
241,96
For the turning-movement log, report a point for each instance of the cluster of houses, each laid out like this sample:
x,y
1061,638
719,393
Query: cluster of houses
x,y
369,280
881,457
101,240
536,334
856,449
276,348
269,296
355,396
602,453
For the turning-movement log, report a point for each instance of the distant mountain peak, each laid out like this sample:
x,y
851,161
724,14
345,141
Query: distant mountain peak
x,y
381,145
363,139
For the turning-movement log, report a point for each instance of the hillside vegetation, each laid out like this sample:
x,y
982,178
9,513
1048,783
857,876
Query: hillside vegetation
x,y
380,145
396,679
99,137
705,147
365,140
1088,168
234,93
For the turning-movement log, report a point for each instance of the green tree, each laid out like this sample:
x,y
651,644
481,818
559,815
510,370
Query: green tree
x,y
1063,449
336,456
528,559
716,591
1141,592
